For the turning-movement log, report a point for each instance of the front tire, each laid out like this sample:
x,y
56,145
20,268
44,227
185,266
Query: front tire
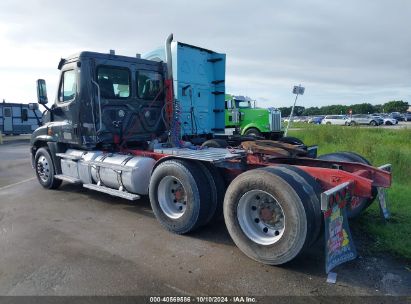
x,y
265,217
253,132
45,170
373,123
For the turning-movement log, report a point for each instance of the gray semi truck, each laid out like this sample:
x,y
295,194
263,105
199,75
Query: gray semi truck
x,y
133,127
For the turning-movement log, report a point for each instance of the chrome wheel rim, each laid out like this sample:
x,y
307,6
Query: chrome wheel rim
x,y
261,217
172,197
43,168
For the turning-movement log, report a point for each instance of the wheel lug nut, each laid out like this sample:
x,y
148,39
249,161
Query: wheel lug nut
x,y
277,233
257,220
265,229
253,208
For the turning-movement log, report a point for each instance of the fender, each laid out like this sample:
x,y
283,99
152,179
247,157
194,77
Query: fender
x,y
55,147
250,125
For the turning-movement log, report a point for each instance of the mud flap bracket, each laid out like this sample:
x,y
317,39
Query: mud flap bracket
x,y
382,196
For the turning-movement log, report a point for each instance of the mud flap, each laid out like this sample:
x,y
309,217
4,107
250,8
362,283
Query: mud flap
x,y
382,196
339,244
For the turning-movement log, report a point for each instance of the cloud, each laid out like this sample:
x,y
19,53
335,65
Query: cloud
x,y
342,51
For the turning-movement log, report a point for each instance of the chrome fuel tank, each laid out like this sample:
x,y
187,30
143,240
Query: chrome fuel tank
x,y
135,178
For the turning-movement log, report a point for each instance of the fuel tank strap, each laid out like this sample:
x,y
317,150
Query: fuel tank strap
x,y
120,173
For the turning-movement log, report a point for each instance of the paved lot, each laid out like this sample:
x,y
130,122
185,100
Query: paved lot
x,y
73,241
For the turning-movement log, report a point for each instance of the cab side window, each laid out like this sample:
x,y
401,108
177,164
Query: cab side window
x,y
7,112
68,86
149,85
114,82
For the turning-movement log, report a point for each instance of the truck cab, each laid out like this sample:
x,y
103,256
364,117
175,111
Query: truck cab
x,y
100,99
242,114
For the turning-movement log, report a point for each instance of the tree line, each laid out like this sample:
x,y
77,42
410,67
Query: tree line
x,y
362,108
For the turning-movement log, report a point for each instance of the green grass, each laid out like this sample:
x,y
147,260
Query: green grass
x,y
379,146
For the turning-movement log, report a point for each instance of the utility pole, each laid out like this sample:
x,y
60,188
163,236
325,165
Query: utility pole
x,y
297,90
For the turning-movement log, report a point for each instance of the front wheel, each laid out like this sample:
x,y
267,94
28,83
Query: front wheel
x,y
373,123
253,132
45,171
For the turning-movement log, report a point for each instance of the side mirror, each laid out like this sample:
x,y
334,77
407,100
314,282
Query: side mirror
x,y
33,106
42,92
229,104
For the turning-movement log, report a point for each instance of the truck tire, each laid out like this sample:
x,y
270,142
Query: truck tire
x,y
307,197
253,132
362,203
313,190
215,143
252,199
179,196
44,169
216,186
291,140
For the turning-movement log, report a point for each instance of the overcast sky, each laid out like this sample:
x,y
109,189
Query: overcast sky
x,y
344,52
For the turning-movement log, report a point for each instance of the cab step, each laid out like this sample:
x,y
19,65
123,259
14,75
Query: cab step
x,y
68,156
67,178
113,192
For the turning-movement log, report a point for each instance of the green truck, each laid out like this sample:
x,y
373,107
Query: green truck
x,y
242,115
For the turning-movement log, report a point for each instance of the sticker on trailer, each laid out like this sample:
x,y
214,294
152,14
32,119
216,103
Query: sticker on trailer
x,y
339,244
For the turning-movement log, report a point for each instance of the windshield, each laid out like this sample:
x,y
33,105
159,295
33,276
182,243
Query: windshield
x,y
241,104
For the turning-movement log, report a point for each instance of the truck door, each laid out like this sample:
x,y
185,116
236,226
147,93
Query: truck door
x,y
7,120
232,117
66,107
